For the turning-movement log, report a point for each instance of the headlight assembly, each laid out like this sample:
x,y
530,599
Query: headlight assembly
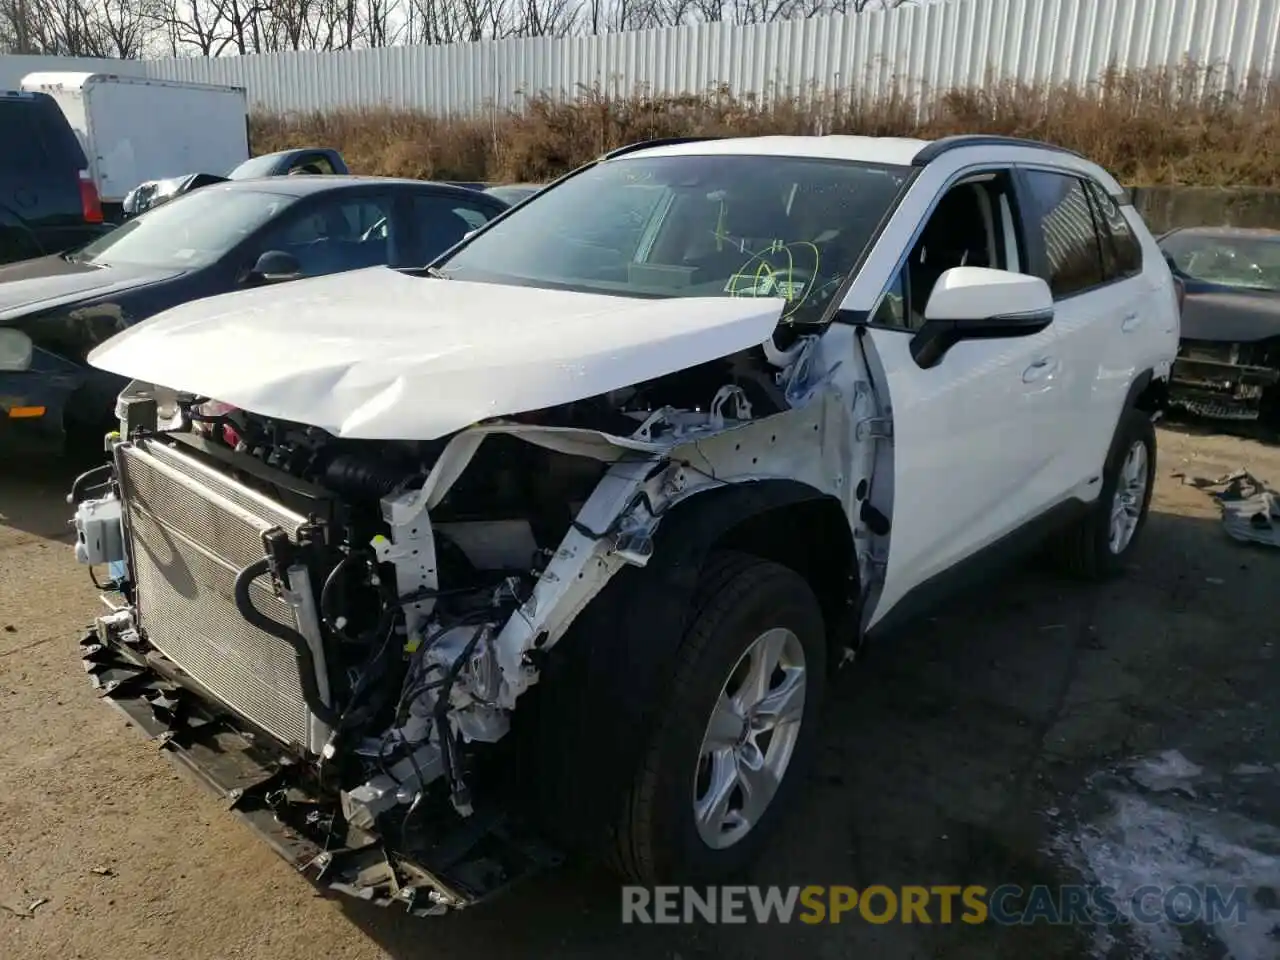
x,y
15,350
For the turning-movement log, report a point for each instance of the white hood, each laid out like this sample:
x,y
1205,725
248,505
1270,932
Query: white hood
x,y
377,354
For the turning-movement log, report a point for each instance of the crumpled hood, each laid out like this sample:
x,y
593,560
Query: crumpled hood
x,y
378,354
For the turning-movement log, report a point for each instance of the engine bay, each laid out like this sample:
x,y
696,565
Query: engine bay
x,y
403,564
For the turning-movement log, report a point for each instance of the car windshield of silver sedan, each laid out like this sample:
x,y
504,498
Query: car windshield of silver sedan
x,y
693,226
188,232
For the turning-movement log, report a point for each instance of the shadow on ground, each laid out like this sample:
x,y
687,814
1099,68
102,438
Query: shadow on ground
x,y
944,750
33,492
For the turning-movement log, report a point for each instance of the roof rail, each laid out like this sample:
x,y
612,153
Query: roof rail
x,y
646,144
932,151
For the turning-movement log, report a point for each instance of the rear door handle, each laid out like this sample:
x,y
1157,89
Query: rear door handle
x,y
1040,369
1132,321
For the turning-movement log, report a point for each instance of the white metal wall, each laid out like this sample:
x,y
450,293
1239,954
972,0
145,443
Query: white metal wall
x,y
926,46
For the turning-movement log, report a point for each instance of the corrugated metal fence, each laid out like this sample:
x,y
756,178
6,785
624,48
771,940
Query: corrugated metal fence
x,y
920,47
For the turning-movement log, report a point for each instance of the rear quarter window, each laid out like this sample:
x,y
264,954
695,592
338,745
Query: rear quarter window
x,y
36,137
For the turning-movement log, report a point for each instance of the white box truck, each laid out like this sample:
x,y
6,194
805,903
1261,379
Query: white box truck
x,y
135,129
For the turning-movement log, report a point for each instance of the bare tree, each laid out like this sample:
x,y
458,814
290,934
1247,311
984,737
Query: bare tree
x,y
211,28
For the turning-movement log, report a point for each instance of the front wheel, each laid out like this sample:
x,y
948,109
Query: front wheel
x,y
741,723
1097,545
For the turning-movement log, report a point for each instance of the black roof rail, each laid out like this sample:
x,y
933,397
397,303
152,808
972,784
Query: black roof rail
x,y
932,151
646,144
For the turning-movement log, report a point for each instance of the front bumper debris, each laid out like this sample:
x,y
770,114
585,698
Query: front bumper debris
x,y
455,865
1219,388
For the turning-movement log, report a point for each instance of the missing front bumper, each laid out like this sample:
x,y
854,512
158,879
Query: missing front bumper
x,y
1219,389
445,864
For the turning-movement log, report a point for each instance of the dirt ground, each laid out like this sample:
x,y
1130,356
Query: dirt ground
x,y
968,751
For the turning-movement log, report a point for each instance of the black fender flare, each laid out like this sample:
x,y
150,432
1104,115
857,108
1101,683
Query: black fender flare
x,y
602,685
1136,388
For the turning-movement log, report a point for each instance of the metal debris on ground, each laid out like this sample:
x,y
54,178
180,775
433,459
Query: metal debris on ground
x,y
1250,510
29,912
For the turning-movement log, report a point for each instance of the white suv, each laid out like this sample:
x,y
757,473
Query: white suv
x,y
552,544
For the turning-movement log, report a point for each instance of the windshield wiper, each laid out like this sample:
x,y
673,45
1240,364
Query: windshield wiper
x,y
436,273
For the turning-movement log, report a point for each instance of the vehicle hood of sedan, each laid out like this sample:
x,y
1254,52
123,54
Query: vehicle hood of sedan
x,y
1231,317
32,286
379,354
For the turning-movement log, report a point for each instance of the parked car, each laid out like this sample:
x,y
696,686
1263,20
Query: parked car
x,y
55,309
116,119
1228,363
551,546
282,163
48,202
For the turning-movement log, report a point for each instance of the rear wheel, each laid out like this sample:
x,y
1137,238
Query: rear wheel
x,y
731,749
1098,544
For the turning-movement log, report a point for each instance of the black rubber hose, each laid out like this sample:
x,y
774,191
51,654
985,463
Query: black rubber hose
x,y
78,485
302,653
441,715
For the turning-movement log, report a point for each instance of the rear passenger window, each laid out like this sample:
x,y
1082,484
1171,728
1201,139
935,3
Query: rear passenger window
x,y
1121,252
22,130
1061,206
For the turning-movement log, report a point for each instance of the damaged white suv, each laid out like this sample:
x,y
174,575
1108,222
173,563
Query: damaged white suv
x,y
551,545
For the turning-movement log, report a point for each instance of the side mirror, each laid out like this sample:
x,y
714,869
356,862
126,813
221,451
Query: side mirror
x,y
276,266
976,303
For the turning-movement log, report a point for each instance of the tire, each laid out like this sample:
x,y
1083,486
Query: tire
x,y
740,598
1085,549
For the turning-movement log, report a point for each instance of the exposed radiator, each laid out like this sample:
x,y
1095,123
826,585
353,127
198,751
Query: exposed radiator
x,y
192,529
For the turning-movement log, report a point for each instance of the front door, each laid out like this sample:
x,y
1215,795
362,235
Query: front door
x,y
974,437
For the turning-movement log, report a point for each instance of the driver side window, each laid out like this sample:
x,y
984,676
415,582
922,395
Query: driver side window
x,y
335,235
971,226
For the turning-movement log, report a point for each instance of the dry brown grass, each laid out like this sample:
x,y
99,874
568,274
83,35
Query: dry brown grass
x,y
1191,125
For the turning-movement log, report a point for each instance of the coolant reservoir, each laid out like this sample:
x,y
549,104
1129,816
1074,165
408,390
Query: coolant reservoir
x,y
99,531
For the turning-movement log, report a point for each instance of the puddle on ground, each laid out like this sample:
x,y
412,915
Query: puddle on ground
x,y
1166,822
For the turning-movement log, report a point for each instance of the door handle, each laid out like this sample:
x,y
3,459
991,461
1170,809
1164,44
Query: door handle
x,y
1132,321
1040,369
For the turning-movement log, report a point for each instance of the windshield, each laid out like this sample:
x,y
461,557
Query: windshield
x,y
188,232
693,226
1247,262
255,167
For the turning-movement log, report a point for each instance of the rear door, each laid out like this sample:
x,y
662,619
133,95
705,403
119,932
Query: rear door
x,y
41,209
1093,264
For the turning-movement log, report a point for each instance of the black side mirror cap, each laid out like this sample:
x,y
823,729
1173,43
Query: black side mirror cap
x,y
276,266
936,337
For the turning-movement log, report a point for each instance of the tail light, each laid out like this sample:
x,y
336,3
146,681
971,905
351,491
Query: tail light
x,y
1180,289
89,199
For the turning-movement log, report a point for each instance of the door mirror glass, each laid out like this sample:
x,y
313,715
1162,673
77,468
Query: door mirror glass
x,y
276,266
977,303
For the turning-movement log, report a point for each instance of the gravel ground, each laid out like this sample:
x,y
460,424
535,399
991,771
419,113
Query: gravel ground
x,y
993,744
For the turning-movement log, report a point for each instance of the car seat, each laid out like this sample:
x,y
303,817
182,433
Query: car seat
x,y
955,236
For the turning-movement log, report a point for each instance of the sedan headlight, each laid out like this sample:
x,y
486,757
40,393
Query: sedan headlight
x,y
15,350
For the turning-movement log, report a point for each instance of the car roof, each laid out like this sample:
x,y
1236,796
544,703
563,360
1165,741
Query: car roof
x,y
889,150
885,151
306,184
